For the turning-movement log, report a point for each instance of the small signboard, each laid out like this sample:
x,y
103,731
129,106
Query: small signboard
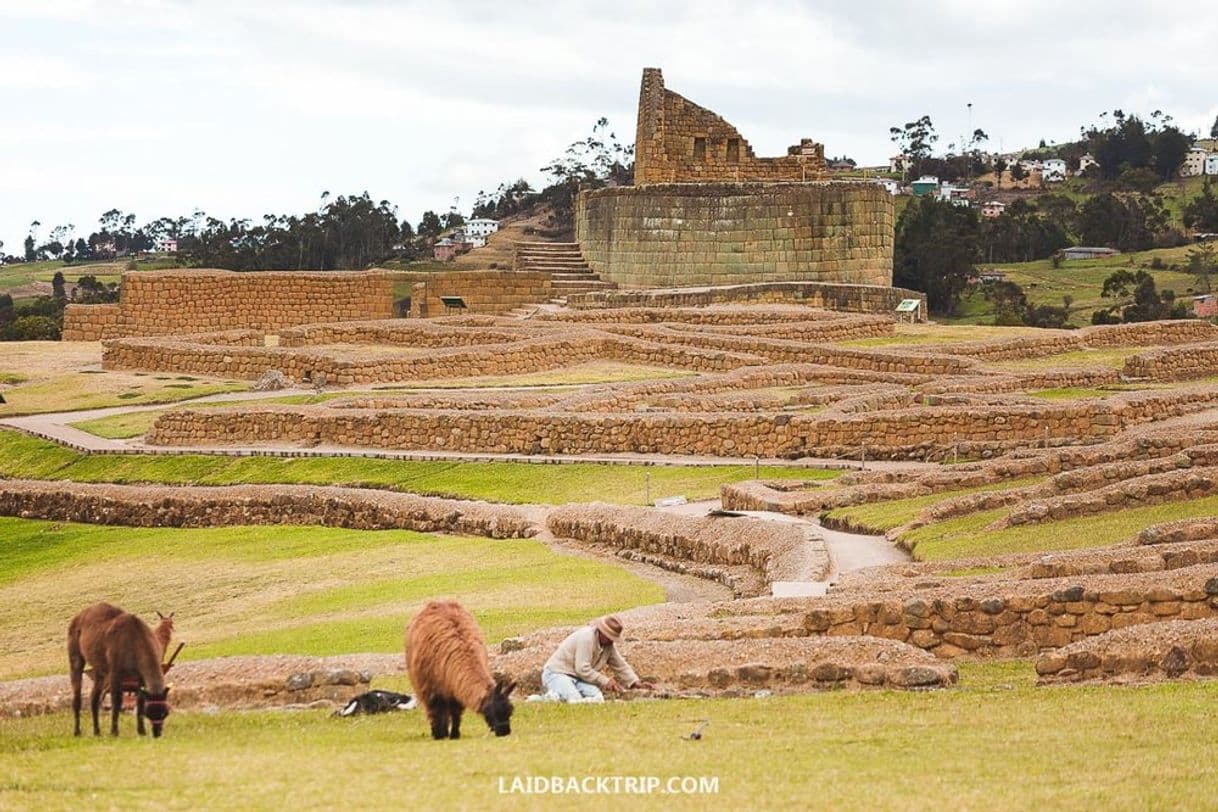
x,y
910,310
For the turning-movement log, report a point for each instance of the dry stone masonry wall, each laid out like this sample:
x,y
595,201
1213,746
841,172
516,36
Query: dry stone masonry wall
x,y
677,140
677,235
853,298
200,301
166,506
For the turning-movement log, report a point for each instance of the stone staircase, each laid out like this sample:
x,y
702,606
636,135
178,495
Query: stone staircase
x,y
569,272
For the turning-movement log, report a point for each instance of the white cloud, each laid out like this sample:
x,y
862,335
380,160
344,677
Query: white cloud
x,y
248,107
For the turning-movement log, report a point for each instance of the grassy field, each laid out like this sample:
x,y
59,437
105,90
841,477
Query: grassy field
x,y
135,424
884,516
55,376
1075,392
996,742
1081,279
935,333
18,278
966,536
297,590
22,456
80,391
589,373
1113,357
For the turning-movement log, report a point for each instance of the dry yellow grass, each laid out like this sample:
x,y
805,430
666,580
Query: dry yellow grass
x,y
60,376
1109,357
589,373
305,590
932,333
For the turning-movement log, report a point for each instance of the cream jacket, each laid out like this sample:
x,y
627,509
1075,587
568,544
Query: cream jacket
x,y
582,656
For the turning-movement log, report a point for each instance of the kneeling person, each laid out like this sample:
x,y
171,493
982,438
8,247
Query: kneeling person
x,y
573,672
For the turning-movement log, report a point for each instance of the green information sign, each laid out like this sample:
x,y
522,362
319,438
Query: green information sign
x,y
909,305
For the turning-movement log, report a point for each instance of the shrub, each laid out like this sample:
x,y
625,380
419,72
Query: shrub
x,y
32,328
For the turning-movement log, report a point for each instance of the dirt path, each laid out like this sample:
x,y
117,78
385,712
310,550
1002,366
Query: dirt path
x,y
847,551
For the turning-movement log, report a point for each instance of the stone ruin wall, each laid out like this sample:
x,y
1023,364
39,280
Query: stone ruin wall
x,y
493,291
328,506
155,303
678,141
198,301
841,298
910,434
682,235
1023,618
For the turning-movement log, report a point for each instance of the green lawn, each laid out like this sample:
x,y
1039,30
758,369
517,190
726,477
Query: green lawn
x,y
994,743
1074,392
1083,280
22,274
78,391
966,536
126,425
290,590
883,516
1113,357
22,456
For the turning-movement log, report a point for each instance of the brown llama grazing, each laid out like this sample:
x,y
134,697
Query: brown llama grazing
x,y
118,646
446,658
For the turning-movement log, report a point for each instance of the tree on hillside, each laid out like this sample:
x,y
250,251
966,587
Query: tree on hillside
x,y
936,246
1214,128
1009,302
31,242
1203,264
90,291
1126,223
1059,210
596,161
1201,212
1126,142
1020,234
1018,172
430,225
916,140
57,286
1138,300
1170,148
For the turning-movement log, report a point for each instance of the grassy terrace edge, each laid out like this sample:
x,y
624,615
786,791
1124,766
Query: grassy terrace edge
x,y
26,457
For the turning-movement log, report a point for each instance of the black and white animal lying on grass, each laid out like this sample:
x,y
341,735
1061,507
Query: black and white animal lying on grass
x,y
377,702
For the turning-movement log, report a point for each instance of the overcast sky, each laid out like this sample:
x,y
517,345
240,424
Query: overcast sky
x,y
243,108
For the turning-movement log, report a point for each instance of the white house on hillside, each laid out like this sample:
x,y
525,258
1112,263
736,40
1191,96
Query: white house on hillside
x,y
956,195
478,229
1194,163
1211,164
993,209
1053,169
1086,162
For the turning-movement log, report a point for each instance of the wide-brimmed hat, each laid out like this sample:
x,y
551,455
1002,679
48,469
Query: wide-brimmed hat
x,y
610,626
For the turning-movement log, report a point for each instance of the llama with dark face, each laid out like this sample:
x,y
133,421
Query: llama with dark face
x,y
446,658
119,646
